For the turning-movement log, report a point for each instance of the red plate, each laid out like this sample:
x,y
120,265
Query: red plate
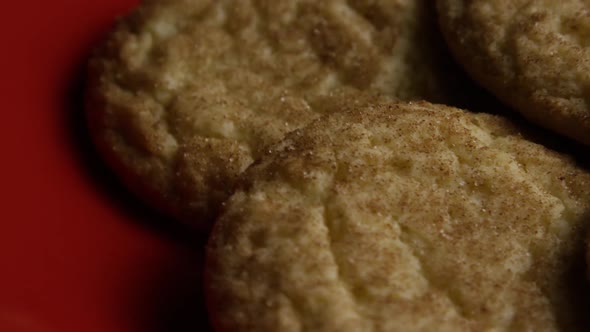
x,y
77,251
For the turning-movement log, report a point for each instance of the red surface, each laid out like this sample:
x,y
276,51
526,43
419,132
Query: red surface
x,y
77,252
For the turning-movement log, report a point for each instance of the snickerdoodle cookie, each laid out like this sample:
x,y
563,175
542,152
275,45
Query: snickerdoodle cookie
x,y
185,94
402,217
532,54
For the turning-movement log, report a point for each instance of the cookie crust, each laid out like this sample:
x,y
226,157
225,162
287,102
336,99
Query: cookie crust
x,y
185,94
533,55
404,217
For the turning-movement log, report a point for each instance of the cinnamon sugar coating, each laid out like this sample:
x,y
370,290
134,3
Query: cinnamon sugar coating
x,y
185,94
402,217
532,54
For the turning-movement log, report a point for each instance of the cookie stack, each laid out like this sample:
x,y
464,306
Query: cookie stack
x,y
311,139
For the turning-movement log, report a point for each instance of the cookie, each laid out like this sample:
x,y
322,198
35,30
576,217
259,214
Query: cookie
x,y
185,94
532,55
402,217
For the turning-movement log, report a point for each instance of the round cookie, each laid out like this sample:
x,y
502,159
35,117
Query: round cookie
x,y
185,94
402,217
532,54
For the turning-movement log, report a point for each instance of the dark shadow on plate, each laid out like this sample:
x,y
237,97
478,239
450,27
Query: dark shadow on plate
x,y
177,304
170,298
578,289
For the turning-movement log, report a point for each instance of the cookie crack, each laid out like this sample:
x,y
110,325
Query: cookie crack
x,y
338,265
508,41
326,217
371,26
162,120
453,300
522,167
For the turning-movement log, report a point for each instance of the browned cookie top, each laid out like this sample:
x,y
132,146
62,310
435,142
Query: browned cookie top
x,y
185,94
533,54
403,217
